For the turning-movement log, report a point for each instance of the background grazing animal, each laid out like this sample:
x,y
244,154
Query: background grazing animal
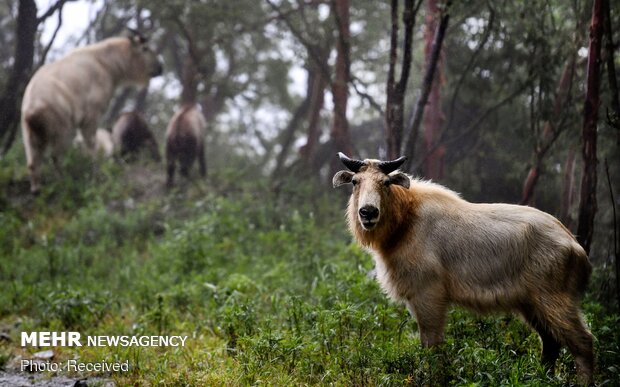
x,y
74,91
432,249
131,133
185,141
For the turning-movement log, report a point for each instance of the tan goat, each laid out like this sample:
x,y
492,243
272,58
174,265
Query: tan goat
x,y
432,249
74,91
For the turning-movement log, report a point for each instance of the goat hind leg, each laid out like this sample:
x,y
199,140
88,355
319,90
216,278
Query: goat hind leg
x,y
550,345
170,173
202,163
566,324
34,155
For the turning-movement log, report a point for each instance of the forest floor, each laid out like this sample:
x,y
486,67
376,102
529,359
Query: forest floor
x,y
262,278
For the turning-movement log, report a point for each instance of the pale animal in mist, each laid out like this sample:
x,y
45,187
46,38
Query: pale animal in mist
x,y
73,92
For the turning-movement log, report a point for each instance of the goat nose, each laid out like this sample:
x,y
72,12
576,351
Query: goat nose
x,y
369,212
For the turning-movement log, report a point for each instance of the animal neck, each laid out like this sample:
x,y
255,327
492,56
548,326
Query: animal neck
x,y
113,54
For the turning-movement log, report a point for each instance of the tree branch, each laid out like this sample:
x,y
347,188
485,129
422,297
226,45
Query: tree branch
x,y
57,6
49,44
354,82
313,51
474,125
470,64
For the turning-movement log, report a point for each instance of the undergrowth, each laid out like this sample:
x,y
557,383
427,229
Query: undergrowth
x,y
266,283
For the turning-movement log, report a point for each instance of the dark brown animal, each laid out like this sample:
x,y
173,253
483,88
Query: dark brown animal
x,y
185,142
433,249
131,134
74,91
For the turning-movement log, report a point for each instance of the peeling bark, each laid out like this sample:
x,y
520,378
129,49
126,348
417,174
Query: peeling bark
x,y
340,125
587,203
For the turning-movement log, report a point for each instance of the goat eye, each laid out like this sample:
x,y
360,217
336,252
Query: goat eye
x,y
386,181
354,181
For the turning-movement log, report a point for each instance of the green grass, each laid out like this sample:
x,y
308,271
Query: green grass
x,y
268,287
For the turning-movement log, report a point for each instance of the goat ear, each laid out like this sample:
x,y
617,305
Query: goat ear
x,y
400,179
342,177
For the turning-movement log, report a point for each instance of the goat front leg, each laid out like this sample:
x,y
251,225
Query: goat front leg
x,y
429,310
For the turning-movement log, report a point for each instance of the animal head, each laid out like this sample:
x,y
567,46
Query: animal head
x,y
145,61
373,181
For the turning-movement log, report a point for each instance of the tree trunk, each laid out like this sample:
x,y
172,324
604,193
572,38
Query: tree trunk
x,y
587,203
550,132
614,118
317,86
395,91
20,74
189,81
568,190
288,134
415,119
433,117
392,135
340,126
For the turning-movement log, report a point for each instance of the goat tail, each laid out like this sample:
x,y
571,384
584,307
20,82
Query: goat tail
x,y
579,270
35,124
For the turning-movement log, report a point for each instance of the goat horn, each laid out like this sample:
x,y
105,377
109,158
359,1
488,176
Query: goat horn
x,y
390,166
353,165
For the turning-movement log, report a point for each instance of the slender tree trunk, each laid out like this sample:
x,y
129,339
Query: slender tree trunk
x,y
568,190
392,135
415,119
288,134
613,118
433,117
550,131
14,89
587,204
340,126
394,112
317,98
189,81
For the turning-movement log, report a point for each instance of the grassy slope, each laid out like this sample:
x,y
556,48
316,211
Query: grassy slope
x,y
268,287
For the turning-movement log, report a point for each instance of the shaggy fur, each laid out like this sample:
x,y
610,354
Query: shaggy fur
x,y
185,142
433,249
74,91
